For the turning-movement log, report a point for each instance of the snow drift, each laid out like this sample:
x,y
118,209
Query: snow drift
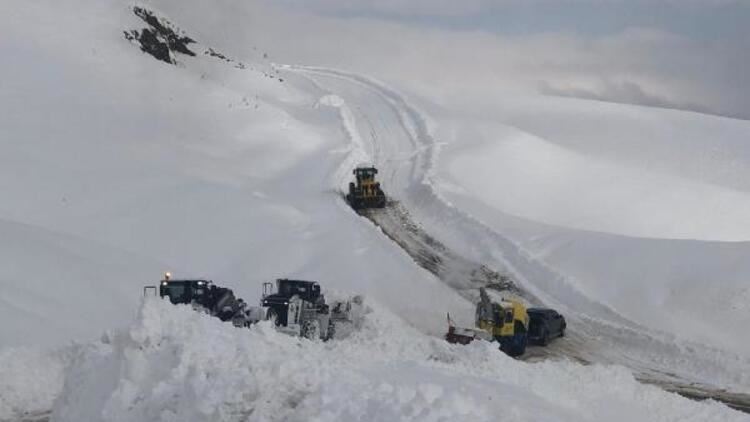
x,y
174,364
646,216
129,166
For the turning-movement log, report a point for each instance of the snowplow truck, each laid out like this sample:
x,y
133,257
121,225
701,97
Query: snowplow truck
x,y
204,295
298,307
365,192
506,322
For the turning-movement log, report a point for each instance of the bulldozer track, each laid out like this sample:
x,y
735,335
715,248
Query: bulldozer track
x,y
405,152
467,276
462,274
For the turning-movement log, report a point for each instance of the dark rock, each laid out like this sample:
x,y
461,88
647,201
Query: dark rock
x,y
160,40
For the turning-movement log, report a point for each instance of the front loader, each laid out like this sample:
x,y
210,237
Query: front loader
x,y
365,192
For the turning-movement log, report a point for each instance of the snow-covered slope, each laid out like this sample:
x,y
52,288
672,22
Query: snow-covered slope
x,y
400,142
54,287
638,216
205,168
621,169
115,167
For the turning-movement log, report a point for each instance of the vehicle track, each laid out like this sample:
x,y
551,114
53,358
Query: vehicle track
x,y
396,139
467,276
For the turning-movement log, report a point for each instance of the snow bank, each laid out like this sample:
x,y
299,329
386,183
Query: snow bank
x,y
548,182
30,380
636,217
174,364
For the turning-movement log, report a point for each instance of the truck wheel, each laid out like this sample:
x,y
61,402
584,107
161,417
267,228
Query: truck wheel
x,y
519,351
311,330
545,337
273,316
331,331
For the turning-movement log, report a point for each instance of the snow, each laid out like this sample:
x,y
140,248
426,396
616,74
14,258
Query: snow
x,y
669,178
30,380
115,167
400,143
228,174
643,237
173,364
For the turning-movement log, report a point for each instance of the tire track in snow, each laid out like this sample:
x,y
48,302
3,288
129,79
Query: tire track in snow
x,y
598,333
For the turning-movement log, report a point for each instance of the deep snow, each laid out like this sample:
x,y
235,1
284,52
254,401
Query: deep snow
x,y
400,142
174,364
659,239
203,170
115,167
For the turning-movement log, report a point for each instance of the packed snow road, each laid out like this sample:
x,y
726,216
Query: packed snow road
x,y
384,129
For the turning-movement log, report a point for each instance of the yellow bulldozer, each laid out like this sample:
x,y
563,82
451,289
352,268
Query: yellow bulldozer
x,y
365,192
506,322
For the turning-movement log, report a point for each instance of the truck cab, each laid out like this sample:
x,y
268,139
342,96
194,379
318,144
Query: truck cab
x,y
279,302
506,321
185,291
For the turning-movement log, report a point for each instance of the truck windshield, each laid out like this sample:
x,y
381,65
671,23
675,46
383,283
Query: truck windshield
x,y
175,292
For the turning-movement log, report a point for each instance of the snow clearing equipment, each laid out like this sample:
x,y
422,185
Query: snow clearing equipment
x,y
366,192
464,335
204,295
506,322
299,308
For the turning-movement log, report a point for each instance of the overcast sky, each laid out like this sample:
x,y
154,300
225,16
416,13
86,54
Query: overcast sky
x,y
689,54
706,19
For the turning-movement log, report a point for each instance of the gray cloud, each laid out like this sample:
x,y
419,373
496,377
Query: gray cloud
x,y
657,65
395,7
625,92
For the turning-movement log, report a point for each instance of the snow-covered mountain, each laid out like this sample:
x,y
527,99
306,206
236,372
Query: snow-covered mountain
x,y
117,166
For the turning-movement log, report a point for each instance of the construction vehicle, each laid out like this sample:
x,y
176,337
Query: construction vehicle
x,y
299,308
366,192
506,322
204,295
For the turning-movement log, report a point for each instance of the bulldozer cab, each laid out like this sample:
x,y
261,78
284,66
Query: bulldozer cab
x,y
366,192
184,291
365,177
365,174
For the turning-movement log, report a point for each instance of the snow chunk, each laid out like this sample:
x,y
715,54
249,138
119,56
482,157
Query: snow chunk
x,y
174,364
